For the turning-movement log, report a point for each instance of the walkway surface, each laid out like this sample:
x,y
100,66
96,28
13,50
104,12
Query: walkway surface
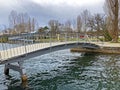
x,y
107,44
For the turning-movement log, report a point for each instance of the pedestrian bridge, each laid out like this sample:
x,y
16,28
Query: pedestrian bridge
x,y
37,44
29,51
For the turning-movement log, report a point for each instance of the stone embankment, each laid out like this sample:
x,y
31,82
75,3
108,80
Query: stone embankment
x,y
105,48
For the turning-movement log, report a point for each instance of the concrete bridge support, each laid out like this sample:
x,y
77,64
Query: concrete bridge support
x,y
18,68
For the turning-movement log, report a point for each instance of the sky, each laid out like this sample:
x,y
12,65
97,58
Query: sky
x,y
45,10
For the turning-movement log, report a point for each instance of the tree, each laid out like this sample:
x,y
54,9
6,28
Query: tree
x,y
112,11
85,16
29,25
97,24
12,18
46,28
21,22
68,28
79,23
91,23
54,26
33,25
43,29
20,26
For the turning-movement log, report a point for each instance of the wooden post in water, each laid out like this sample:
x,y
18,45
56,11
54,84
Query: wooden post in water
x,y
6,70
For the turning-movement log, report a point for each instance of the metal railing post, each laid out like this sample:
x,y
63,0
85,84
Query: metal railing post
x,y
50,36
77,37
65,38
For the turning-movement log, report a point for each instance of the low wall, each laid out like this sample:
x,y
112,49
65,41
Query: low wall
x,y
103,50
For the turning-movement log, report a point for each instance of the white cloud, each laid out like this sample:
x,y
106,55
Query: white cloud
x,y
7,3
44,10
74,3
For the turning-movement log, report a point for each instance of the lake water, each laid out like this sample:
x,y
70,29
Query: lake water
x,y
63,70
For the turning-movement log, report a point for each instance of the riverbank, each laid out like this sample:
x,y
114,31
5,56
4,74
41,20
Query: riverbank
x,y
105,48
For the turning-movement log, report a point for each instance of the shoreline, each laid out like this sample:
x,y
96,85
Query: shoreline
x,y
106,48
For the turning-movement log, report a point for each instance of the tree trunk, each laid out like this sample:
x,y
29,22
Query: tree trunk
x,y
115,27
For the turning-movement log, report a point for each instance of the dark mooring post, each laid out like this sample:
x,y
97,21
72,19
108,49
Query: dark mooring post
x,y
18,68
6,70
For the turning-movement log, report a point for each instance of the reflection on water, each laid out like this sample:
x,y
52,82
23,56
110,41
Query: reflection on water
x,y
63,70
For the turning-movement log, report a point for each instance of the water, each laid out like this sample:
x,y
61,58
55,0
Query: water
x,y
63,70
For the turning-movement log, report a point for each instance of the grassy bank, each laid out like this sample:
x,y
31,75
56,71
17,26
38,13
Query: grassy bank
x,y
3,39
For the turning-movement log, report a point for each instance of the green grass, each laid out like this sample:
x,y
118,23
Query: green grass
x,y
3,39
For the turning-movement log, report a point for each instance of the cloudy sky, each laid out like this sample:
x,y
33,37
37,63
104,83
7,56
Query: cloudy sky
x,y
44,10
